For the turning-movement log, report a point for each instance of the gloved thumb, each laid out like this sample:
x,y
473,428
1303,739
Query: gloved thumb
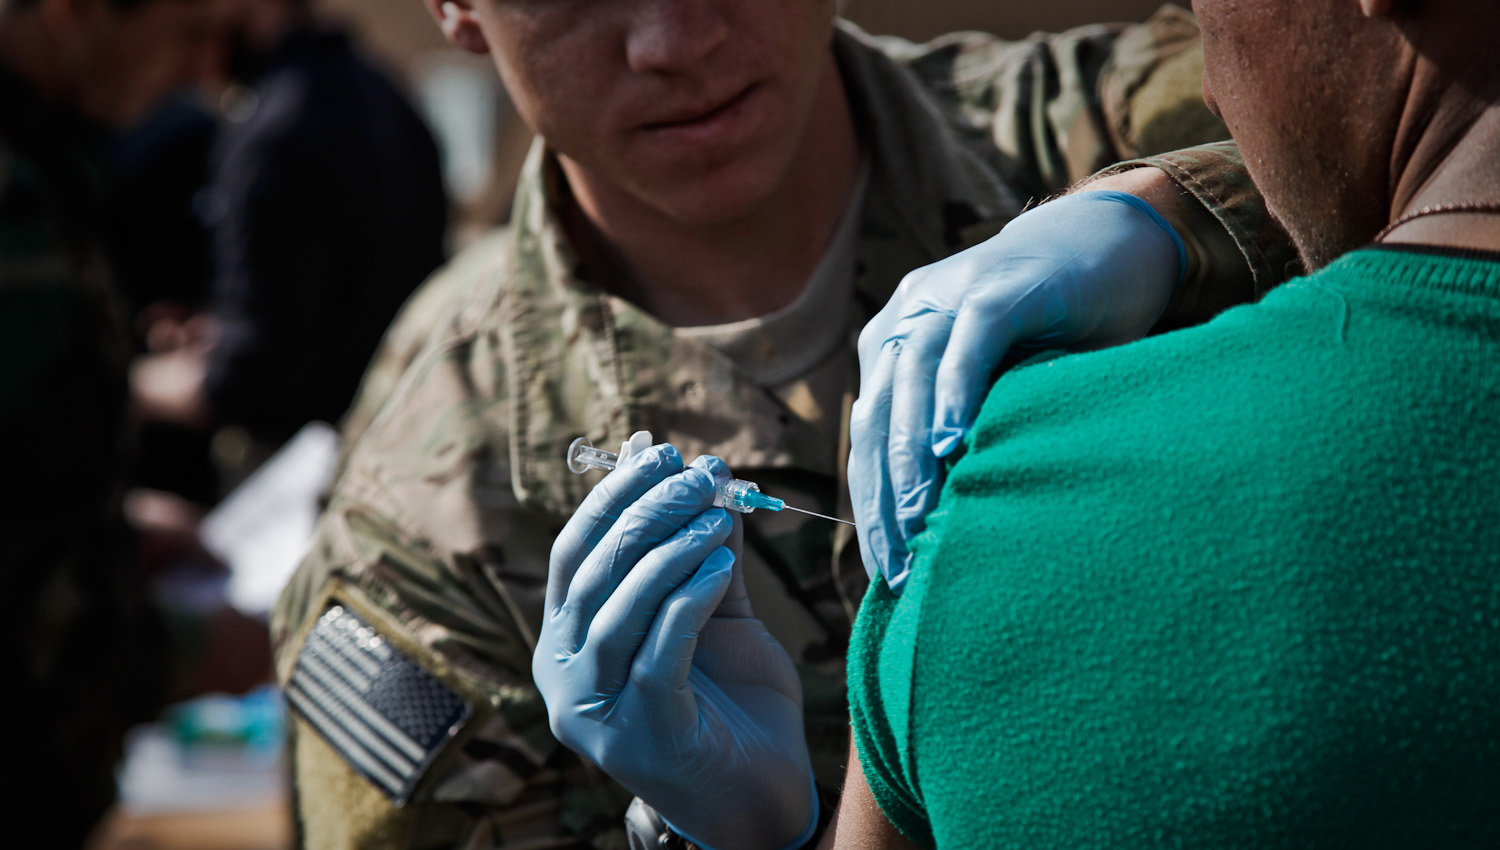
x,y
665,657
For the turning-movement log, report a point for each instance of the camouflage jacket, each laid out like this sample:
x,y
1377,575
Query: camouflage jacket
x,y
424,587
83,645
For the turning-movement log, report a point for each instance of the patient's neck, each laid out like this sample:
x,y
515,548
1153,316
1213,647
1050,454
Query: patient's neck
x,y
1455,165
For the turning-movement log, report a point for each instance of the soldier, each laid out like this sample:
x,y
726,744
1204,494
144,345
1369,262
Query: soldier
x,y
89,657
327,209
721,195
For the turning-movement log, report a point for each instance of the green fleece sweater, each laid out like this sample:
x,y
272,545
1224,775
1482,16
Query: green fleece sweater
x,y
1236,586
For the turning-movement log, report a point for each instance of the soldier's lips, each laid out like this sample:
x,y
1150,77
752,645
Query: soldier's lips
x,y
724,122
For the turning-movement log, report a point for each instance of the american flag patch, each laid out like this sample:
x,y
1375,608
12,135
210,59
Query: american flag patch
x,y
372,703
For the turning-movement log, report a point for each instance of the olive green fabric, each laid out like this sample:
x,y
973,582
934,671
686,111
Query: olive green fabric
x,y
1231,587
455,486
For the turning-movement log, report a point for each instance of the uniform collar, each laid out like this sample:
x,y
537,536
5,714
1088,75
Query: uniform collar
x,y
930,190
929,194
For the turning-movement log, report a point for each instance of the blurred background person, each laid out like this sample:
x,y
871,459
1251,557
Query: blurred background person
x,y
161,258
92,654
326,208
292,166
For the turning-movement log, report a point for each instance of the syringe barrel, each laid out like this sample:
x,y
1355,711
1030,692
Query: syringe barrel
x,y
737,495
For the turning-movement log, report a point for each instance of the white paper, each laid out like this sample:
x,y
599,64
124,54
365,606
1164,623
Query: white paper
x,y
263,528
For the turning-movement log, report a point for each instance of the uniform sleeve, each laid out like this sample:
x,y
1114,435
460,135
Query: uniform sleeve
x,y
1056,109
1214,176
1151,93
444,742
404,642
413,325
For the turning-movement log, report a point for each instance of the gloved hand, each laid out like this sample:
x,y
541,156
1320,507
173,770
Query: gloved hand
x,y
653,668
1088,270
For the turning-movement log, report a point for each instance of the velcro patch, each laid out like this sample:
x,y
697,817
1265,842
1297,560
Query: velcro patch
x,y
381,711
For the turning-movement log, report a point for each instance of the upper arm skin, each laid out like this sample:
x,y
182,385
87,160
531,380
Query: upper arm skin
x,y
860,824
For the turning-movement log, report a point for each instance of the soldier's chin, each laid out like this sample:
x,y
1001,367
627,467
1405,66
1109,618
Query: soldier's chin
x,y
711,188
716,199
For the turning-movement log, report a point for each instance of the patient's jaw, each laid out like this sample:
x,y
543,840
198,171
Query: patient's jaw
x,y
1307,88
1349,112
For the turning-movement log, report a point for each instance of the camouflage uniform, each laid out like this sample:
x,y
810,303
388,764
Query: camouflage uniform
x,y
430,563
84,652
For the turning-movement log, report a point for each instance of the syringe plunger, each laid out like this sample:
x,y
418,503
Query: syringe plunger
x,y
582,456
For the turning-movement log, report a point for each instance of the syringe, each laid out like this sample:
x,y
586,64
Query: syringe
x,y
738,495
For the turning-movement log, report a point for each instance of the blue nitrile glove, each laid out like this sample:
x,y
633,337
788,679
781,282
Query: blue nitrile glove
x,y
653,668
1088,270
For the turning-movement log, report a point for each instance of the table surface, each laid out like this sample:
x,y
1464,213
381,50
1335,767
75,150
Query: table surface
x,y
265,827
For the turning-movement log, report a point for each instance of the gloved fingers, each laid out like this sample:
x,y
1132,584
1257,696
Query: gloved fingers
x,y
874,337
742,653
714,466
600,509
654,517
912,467
962,380
1024,292
736,600
869,476
625,618
665,656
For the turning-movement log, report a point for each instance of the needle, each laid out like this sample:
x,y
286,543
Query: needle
x,y
821,516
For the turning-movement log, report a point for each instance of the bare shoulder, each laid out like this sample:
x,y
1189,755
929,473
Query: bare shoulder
x,y
860,824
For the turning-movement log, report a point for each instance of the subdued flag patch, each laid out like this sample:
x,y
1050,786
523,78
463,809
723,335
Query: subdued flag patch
x,y
384,714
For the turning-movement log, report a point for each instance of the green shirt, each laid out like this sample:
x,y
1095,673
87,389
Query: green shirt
x,y
1234,586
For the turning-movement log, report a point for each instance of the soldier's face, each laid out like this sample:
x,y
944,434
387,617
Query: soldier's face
x,y
695,108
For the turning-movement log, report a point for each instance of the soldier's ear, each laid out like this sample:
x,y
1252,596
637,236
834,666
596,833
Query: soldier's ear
x,y
460,27
1376,8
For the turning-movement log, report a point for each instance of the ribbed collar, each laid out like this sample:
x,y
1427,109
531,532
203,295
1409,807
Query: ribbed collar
x,y
1463,271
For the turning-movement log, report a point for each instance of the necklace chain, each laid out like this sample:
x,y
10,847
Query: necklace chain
x,y
1439,209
